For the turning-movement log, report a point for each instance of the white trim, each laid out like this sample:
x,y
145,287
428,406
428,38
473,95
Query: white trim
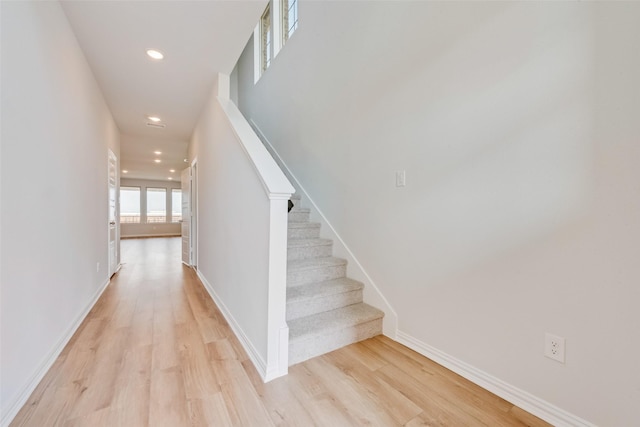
x,y
257,72
524,400
273,179
276,25
252,352
135,236
48,361
372,294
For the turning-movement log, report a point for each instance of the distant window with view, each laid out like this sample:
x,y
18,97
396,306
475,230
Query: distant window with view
x,y
129,205
156,205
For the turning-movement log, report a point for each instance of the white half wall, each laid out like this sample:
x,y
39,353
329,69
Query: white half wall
x,y
242,230
517,126
56,131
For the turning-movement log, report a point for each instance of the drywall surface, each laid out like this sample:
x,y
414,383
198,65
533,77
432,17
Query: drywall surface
x,y
152,229
233,227
56,132
516,124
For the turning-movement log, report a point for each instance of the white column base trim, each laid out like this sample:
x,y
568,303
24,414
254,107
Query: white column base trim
x,y
524,400
45,365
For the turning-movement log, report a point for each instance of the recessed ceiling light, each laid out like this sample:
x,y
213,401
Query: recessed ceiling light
x,y
155,54
154,119
157,160
172,170
125,171
186,161
157,152
170,178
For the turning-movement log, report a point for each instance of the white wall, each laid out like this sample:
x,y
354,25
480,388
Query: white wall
x,y
148,230
517,126
56,132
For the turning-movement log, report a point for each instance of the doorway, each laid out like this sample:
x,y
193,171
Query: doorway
x,y
194,213
113,213
189,222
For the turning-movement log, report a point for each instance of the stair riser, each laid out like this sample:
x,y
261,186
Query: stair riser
x,y
308,307
298,216
319,274
307,252
304,233
311,346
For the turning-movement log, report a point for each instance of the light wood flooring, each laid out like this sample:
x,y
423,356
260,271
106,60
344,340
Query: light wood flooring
x,y
155,351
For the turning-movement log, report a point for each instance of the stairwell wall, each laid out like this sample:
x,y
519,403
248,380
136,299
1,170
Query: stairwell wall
x,y
56,132
515,124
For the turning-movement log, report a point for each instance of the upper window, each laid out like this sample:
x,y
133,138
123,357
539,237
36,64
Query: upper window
x,y
129,205
277,24
289,18
156,205
266,39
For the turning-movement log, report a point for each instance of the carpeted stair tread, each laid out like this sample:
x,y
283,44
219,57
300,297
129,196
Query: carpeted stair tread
x,y
297,209
301,243
320,289
313,263
324,308
304,225
299,215
303,230
333,320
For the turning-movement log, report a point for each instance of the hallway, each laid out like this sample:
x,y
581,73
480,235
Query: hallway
x,y
155,351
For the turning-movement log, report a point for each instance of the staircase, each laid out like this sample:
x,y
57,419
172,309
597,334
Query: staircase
x,y
324,308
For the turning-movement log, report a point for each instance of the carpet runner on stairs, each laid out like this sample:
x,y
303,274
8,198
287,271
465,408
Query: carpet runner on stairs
x,y
324,308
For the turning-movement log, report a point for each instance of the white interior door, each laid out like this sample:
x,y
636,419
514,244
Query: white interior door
x,y
113,223
185,180
193,207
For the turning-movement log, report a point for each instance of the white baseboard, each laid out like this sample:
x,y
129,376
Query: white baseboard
x,y
530,403
253,354
371,294
48,361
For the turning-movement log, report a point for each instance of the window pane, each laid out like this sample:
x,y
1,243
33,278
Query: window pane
x,y
289,18
156,205
176,205
129,205
265,35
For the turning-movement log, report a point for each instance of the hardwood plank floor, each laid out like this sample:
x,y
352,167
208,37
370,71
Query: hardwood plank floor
x,y
155,351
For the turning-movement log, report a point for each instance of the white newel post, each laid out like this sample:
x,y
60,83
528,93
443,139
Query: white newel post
x,y
278,331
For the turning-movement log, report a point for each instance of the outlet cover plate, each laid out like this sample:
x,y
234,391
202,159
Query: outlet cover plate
x,y
554,347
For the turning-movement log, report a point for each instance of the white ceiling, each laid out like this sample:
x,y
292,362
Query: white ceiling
x,y
198,39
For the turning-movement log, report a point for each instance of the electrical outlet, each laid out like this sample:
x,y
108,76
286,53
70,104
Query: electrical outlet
x,y
97,267
554,347
401,178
